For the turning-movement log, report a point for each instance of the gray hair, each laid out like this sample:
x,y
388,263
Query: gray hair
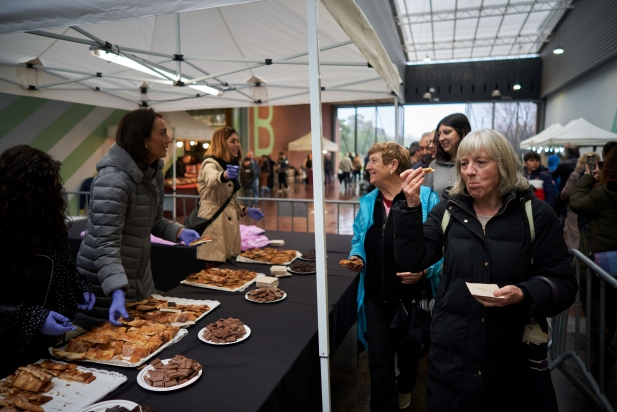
x,y
497,148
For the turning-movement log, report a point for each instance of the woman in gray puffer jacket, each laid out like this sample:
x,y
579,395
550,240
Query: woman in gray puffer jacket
x,y
126,206
450,131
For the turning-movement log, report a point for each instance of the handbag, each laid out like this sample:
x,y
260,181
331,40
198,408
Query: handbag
x,y
199,224
415,323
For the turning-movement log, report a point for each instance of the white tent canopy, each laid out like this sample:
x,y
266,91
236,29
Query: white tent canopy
x,y
181,126
580,132
539,139
223,47
304,144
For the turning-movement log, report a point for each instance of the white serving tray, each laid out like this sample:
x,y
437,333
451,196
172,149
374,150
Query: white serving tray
x,y
103,406
243,259
125,363
213,304
238,289
71,396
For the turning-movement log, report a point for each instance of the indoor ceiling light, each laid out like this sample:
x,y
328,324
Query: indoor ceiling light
x,y
427,59
558,50
192,143
426,95
496,93
205,145
324,151
516,87
114,56
179,144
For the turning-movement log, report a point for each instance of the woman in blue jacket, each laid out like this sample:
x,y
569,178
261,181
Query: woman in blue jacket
x,y
382,286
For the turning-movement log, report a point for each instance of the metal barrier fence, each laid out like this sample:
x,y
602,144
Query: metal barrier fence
x,y
282,214
584,379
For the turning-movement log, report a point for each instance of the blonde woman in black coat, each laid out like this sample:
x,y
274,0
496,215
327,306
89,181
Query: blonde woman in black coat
x,y
477,361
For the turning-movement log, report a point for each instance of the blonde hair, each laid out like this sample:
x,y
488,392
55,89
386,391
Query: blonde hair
x,y
497,148
218,145
583,159
390,151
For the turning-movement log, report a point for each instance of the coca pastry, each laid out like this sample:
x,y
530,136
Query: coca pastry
x,y
222,278
177,371
224,331
21,389
164,311
264,295
201,240
270,255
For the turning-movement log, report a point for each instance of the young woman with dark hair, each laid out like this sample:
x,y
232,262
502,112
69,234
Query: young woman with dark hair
x,y
126,207
449,133
39,286
218,187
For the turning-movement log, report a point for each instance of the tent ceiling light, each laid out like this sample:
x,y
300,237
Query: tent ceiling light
x,y
192,142
178,144
205,145
558,50
427,59
324,151
115,56
517,86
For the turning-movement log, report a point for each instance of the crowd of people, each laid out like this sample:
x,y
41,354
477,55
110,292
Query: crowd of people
x,y
460,207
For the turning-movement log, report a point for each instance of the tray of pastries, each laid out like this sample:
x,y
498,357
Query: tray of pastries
x,y
56,386
268,256
129,345
222,279
171,311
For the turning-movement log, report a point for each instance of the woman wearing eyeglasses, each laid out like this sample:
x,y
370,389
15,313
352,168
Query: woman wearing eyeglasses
x,y
450,132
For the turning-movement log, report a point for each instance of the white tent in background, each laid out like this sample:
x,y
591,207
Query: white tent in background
x,y
305,144
180,126
540,139
580,132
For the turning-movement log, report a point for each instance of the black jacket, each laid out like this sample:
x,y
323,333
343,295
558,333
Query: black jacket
x,y
476,360
564,170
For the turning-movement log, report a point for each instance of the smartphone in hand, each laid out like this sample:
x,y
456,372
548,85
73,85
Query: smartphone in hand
x,y
592,163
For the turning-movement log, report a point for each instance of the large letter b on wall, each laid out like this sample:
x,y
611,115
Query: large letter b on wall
x,y
263,124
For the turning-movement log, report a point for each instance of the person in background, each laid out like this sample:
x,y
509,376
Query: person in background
x,y
218,187
247,177
415,155
571,229
180,167
451,130
346,167
126,208
595,196
256,171
308,167
477,360
608,146
552,163
264,175
40,288
540,178
328,169
282,166
565,168
382,285
357,165
425,150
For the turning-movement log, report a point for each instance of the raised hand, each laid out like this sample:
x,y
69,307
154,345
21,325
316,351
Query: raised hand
x,y
231,172
411,181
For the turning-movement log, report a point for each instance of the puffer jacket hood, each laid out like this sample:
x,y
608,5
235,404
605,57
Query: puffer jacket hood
x,y
126,207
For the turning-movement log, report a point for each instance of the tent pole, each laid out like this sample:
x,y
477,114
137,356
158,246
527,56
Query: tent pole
x,y
397,136
319,205
178,52
174,159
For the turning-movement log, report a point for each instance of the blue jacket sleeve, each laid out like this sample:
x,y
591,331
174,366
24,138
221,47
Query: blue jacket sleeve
x,y
357,244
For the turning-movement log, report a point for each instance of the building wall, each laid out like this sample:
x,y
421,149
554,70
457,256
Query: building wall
x,y
75,134
593,97
272,128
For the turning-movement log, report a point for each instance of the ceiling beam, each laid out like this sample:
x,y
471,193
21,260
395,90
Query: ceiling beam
x,y
471,43
485,11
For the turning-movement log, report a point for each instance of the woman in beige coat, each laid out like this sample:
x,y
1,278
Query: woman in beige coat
x,y
218,182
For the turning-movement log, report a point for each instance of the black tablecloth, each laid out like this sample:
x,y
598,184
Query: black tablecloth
x,y
277,367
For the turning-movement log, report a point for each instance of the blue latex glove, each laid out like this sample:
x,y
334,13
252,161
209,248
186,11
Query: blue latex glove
x,y
254,213
188,235
89,300
232,171
117,308
56,324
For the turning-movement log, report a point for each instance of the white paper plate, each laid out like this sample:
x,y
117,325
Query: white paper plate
x,y
238,289
201,332
274,301
103,406
141,382
243,259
